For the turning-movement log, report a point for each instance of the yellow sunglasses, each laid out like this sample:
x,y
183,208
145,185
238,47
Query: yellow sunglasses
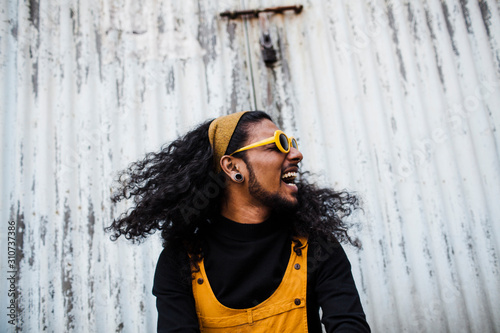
x,y
283,142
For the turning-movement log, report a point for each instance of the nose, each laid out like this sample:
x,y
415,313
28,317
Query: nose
x,y
295,155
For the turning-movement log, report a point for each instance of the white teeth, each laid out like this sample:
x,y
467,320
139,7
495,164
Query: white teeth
x,y
289,174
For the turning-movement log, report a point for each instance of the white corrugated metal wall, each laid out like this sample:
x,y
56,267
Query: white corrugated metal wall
x,y
396,100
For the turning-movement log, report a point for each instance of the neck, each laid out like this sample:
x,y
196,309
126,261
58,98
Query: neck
x,y
240,210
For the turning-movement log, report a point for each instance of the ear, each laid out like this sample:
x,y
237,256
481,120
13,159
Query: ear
x,y
229,165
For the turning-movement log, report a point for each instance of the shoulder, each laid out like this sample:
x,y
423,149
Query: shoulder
x,y
172,269
324,254
170,258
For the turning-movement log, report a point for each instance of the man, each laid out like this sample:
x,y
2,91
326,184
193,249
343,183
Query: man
x,y
248,245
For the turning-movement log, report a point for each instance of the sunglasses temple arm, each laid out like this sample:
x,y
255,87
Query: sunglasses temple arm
x,y
256,144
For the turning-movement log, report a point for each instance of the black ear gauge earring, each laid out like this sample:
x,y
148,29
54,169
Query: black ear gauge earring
x,y
238,177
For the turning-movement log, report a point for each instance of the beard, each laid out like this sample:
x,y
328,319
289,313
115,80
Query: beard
x,y
275,201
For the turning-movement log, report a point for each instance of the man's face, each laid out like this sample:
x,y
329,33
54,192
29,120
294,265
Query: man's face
x,y
270,172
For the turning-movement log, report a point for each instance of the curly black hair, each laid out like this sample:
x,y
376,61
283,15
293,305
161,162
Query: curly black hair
x,y
177,192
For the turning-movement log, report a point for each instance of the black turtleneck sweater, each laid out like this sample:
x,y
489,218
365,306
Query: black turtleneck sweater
x,y
245,263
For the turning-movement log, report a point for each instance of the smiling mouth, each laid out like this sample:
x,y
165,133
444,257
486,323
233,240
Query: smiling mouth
x,y
289,178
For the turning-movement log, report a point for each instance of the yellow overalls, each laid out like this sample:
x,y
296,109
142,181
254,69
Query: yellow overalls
x,y
283,311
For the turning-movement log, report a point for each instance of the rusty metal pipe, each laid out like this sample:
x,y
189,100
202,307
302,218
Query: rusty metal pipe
x,y
255,12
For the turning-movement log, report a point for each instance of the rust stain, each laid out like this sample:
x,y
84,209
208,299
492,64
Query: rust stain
x,y
79,56
207,35
449,26
428,17
286,79
170,81
17,215
466,15
160,22
402,245
13,30
98,46
142,91
426,251
67,270
34,16
207,38
412,20
392,24
383,255
234,94
90,230
231,30
20,228
34,78
486,14
394,125
43,228
119,328
91,222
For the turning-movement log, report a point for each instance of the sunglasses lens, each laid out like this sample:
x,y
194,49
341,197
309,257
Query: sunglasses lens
x,y
294,144
284,142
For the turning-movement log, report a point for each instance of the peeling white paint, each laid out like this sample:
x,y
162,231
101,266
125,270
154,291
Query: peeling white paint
x,y
396,100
